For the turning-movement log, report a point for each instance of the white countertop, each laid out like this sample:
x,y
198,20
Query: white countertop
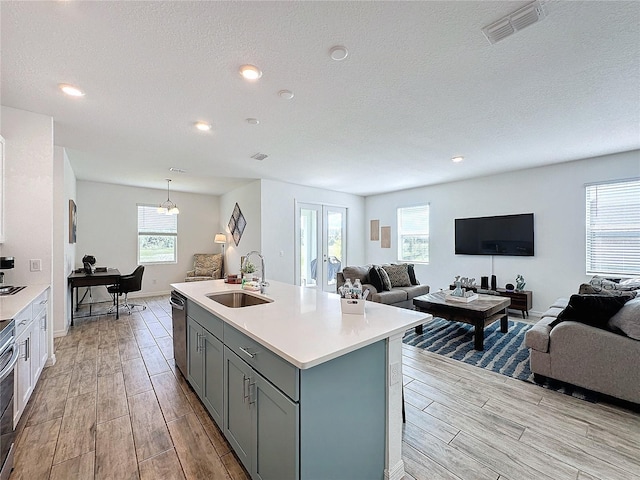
x,y
12,305
303,326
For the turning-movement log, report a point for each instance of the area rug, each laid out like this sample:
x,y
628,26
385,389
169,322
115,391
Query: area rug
x,y
503,353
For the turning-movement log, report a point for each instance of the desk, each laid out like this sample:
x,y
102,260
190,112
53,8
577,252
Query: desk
x,y
110,277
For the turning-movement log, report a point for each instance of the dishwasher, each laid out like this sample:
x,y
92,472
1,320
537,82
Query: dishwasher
x,y
179,320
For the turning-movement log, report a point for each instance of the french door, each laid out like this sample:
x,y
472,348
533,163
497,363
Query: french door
x,y
321,245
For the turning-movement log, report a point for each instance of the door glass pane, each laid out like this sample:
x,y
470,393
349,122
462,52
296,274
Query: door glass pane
x,y
308,247
334,245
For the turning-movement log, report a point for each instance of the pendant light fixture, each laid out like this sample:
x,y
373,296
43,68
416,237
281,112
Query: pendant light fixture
x,y
168,207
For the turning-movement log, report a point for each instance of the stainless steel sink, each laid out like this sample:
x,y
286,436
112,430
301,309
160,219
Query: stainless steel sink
x,y
238,299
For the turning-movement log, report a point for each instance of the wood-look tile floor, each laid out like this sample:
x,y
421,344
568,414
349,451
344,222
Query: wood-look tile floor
x,y
115,407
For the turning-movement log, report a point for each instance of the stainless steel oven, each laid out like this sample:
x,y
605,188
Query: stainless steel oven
x,y
8,358
179,320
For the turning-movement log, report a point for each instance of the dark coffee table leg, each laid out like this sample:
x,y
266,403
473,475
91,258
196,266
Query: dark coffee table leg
x,y
478,336
419,330
504,323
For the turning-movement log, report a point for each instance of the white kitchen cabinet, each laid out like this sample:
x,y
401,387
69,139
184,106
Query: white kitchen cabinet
x,y
31,330
40,349
24,379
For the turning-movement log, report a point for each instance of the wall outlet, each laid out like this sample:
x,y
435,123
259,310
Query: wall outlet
x,y
395,373
35,265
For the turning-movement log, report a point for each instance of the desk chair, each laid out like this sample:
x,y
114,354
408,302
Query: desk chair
x,y
128,283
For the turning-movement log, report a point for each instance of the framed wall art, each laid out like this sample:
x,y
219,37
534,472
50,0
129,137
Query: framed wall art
x,y
73,221
237,224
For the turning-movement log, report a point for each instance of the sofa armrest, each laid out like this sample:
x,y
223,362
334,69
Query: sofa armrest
x,y
191,273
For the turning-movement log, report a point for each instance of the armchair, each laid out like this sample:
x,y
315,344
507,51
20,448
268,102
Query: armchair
x,y
206,266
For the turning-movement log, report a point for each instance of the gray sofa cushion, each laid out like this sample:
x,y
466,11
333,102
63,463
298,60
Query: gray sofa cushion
x,y
627,320
415,290
390,296
361,272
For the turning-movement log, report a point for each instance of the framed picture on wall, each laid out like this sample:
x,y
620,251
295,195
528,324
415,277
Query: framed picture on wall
x,y
73,222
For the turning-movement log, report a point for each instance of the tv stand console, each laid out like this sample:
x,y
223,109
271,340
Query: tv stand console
x,y
520,300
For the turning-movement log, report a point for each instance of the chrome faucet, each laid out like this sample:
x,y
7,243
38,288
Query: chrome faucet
x,y
263,282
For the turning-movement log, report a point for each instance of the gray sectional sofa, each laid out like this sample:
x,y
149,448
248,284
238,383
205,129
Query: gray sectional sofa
x,y
398,296
586,356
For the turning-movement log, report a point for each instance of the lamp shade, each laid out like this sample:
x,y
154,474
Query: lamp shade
x,y
220,238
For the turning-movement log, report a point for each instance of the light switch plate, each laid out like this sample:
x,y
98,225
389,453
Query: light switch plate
x,y
35,265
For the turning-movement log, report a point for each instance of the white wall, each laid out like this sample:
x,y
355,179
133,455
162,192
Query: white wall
x,y
556,196
248,199
28,208
269,208
278,224
108,226
64,189
28,194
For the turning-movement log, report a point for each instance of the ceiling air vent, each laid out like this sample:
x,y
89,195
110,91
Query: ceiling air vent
x,y
259,156
510,24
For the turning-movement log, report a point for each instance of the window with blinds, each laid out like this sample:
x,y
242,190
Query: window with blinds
x,y
613,228
413,234
157,236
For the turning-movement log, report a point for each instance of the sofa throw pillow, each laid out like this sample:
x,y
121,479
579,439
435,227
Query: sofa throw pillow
x,y
412,274
627,320
398,275
386,282
374,279
593,310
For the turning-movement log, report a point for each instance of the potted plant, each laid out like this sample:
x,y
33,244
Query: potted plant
x,y
247,270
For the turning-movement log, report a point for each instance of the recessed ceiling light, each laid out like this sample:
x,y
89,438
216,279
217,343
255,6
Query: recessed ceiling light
x,y
71,90
457,159
177,170
338,53
250,72
286,94
253,121
203,126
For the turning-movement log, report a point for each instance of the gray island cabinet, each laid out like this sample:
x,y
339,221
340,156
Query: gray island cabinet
x,y
332,412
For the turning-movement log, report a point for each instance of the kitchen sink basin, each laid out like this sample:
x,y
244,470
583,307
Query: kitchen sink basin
x,y
238,299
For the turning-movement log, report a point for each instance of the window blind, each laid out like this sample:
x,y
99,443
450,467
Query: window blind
x,y
150,222
613,228
413,233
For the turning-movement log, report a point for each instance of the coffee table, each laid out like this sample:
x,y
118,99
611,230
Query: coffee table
x,y
479,313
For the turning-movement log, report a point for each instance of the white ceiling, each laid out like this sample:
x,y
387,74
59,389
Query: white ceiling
x,y
420,85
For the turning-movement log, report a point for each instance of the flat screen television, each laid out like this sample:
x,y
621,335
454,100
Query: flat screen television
x,y
500,235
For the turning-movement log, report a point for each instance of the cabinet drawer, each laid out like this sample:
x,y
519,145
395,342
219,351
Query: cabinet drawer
x,y
23,321
39,304
279,372
207,319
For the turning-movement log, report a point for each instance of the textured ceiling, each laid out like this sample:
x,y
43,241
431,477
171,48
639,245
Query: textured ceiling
x,y
420,85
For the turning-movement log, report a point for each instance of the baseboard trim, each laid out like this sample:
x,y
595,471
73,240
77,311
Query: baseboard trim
x,y
395,473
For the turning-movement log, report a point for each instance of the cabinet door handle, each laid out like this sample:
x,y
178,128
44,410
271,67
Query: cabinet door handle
x,y
252,396
245,388
203,343
27,351
244,350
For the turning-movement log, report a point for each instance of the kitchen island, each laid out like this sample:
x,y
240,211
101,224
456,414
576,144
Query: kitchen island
x,y
300,390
